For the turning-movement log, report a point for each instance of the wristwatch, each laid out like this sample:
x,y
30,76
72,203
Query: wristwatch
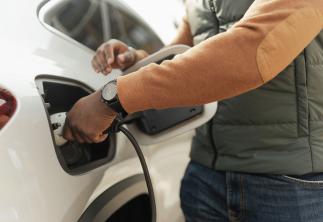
x,y
109,96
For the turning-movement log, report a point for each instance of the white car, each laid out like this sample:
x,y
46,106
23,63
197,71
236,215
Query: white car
x,y
46,49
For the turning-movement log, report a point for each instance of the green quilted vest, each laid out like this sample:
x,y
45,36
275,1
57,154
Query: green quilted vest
x,y
277,128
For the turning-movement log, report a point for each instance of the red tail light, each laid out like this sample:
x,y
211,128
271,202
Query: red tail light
x,y
8,106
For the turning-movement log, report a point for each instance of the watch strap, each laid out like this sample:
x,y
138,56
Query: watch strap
x,y
116,106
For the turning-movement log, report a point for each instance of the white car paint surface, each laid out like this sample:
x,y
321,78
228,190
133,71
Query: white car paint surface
x,y
34,187
2,102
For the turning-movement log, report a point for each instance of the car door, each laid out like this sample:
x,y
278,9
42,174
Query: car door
x,y
164,135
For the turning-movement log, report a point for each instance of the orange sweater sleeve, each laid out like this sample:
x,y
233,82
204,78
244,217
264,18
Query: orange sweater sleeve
x,y
270,35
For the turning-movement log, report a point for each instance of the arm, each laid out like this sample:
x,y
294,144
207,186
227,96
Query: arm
x,y
255,50
116,54
184,35
89,117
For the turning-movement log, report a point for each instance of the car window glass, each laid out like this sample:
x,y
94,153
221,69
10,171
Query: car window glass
x,y
131,30
92,22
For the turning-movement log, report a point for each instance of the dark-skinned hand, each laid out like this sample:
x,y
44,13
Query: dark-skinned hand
x,y
88,119
113,54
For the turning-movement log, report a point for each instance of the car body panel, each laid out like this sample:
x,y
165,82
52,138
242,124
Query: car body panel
x,y
36,188
34,185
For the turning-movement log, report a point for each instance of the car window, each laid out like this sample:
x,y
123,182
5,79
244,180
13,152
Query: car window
x,y
130,30
91,22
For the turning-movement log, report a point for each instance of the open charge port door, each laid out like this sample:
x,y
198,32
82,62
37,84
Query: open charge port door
x,y
155,126
152,121
59,96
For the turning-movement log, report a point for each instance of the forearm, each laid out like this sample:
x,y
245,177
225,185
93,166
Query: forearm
x,y
254,51
184,35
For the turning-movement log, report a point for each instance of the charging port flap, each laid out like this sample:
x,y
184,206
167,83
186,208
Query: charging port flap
x,y
155,126
153,122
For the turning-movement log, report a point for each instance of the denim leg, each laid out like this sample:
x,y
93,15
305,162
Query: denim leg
x,y
212,196
203,194
283,198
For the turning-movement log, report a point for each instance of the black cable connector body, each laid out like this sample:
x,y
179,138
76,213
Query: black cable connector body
x,y
116,127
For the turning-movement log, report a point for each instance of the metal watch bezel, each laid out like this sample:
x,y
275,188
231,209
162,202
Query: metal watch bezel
x,y
104,92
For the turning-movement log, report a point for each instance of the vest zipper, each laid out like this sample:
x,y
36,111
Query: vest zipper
x,y
212,7
213,143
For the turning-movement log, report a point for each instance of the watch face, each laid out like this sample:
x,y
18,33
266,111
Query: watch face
x,y
109,91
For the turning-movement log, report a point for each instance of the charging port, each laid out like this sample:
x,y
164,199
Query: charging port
x,y
59,96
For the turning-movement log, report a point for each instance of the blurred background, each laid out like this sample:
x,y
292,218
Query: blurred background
x,y
142,24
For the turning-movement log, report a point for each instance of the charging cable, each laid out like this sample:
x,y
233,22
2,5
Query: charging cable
x,y
117,126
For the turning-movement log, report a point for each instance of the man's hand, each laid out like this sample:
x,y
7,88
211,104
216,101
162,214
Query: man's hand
x,y
113,54
88,119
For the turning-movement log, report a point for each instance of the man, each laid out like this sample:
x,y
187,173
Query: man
x,y
260,158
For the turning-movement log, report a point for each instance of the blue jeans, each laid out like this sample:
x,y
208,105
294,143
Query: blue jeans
x,y
213,196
